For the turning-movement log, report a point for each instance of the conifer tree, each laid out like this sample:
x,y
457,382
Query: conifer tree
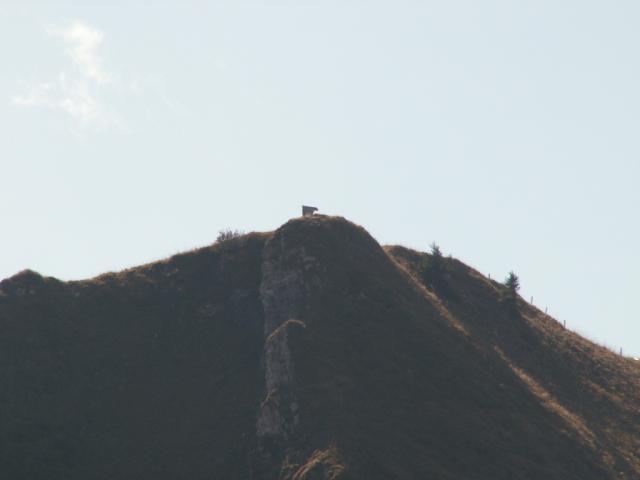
x,y
512,282
437,260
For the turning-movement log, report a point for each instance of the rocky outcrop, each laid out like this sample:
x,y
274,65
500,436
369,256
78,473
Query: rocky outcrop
x,y
289,278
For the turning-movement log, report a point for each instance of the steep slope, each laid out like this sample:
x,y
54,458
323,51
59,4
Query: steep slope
x,y
595,390
153,372
389,383
306,353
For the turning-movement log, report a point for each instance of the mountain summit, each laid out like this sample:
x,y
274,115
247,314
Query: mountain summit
x,y
310,352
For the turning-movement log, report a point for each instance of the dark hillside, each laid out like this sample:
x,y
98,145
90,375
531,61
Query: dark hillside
x,y
306,353
148,373
594,390
389,380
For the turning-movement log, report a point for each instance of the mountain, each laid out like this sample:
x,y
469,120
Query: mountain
x,y
306,353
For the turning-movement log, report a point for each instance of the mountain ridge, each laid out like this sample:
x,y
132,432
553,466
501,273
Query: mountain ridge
x,y
307,352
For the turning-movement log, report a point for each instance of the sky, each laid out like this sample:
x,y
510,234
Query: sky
x,y
507,132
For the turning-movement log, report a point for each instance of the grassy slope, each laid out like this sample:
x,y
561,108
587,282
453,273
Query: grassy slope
x,y
155,373
148,373
595,392
400,388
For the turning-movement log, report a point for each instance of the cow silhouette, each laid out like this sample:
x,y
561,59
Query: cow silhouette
x,y
308,211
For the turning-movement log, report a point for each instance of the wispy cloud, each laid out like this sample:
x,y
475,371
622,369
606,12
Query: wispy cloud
x,y
86,90
79,88
83,43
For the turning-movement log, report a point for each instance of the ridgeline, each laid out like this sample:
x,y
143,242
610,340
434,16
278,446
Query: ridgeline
x,y
310,352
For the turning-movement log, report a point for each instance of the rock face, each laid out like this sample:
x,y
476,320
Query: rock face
x,y
289,278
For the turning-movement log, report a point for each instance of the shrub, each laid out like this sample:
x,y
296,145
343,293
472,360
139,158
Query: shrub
x,y
228,234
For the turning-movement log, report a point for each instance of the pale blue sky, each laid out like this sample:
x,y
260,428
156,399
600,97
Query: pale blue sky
x,y
505,131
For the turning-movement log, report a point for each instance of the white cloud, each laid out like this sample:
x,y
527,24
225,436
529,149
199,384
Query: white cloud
x,y
80,87
83,42
84,90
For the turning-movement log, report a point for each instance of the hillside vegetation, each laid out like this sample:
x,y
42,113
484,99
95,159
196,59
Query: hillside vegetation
x,y
310,352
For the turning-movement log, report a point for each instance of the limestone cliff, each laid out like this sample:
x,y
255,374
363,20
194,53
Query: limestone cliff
x,y
289,278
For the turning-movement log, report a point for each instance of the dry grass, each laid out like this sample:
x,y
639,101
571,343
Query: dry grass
x,y
155,372
324,464
589,385
572,420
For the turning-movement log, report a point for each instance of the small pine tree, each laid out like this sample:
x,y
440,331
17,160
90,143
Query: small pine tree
x,y
512,282
436,262
435,271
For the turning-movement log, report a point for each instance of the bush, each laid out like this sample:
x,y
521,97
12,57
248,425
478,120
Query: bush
x,y
228,234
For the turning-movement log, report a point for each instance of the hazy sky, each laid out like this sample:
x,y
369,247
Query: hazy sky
x,y
505,131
